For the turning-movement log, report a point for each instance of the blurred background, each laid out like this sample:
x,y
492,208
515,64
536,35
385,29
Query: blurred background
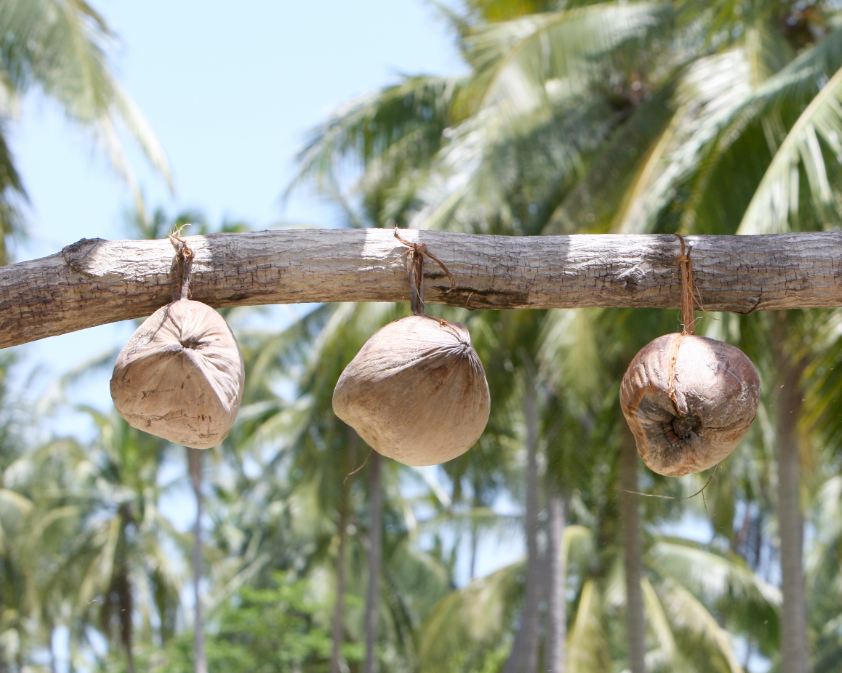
x,y
548,546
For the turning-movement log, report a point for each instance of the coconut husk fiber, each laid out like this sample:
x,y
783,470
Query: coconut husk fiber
x,y
688,401
416,391
181,376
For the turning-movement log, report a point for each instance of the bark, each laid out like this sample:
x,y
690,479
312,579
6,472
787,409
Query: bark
x,y
375,553
632,556
556,594
794,654
336,630
194,463
524,655
94,281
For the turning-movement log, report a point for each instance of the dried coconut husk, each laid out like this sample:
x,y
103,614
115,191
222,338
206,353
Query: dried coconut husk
x,y
416,392
181,376
688,401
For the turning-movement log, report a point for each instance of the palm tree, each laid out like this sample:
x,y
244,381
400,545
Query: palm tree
x,y
60,48
97,547
766,74
639,126
194,468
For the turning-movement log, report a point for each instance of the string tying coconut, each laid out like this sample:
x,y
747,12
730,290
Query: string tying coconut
x,y
416,391
181,376
688,400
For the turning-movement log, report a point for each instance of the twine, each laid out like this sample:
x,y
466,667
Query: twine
x,y
700,492
184,263
415,271
688,289
688,320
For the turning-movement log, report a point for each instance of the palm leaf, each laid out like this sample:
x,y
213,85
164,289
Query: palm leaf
x,y
775,204
708,94
370,127
696,631
468,622
587,650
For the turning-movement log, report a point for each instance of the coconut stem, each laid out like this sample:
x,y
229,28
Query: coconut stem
x,y
184,262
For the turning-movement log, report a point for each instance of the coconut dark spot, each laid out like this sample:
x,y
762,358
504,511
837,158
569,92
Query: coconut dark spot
x,y
686,427
191,342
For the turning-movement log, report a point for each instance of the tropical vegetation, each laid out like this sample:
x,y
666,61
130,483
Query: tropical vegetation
x,y
315,554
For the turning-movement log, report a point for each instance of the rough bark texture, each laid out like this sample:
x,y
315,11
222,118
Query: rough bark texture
x,y
194,464
556,594
375,552
524,655
794,654
94,281
632,558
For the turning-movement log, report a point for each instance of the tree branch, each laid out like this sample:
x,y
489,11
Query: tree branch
x,y
94,281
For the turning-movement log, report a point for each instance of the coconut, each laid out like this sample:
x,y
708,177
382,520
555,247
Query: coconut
x,y
181,376
416,392
688,401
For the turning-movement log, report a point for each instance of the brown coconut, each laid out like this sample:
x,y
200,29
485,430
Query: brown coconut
x,y
416,392
180,376
715,391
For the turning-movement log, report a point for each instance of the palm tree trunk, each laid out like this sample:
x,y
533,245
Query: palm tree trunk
x,y
121,584
375,550
474,548
51,649
194,464
557,636
524,655
336,629
474,529
632,556
794,657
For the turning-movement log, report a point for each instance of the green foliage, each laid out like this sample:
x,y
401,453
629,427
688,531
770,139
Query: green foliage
x,y
271,629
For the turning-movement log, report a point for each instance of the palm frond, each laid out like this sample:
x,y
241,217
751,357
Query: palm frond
x,y
466,624
817,132
370,127
62,48
515,59
731,167
705,99
696,631
587,650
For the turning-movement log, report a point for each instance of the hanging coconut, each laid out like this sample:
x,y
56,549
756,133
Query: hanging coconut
x,y
416,392
181,376
688,401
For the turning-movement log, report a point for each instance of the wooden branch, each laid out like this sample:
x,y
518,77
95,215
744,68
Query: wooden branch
x,y
94,281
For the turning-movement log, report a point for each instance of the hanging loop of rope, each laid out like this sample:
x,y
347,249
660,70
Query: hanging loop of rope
x,y
183,262
415,271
